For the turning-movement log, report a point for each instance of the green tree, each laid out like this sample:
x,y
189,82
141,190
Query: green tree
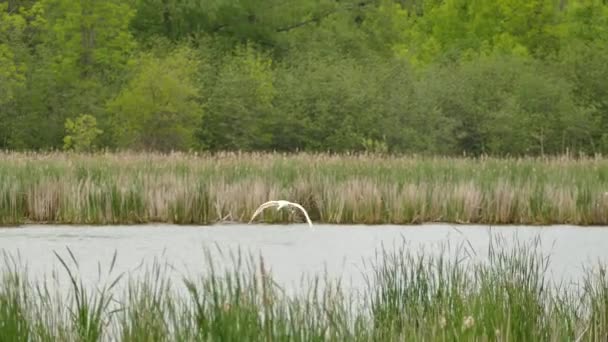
x,y
12,69
81,133
239,106
584,61
80,51
386,26
90,37
158,109
510,105
340,103
457,29
425,76
16,26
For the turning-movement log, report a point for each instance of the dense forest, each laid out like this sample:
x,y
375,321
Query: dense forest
x,y
498,77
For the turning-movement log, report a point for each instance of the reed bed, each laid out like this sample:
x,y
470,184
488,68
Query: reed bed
x,y
129,188
408,297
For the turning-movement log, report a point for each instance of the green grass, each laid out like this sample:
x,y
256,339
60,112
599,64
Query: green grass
x,y
130,188
446,296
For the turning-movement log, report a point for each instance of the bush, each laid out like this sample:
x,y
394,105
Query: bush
x,y
82,133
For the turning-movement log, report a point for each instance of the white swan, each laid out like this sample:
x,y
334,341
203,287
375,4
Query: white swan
x,y
280,204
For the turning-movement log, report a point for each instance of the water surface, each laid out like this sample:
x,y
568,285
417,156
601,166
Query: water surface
x,y
290,251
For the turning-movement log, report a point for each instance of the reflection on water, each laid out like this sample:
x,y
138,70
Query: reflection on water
x,y
291,252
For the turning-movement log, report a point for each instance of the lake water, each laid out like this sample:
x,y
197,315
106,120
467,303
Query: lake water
x,y
290,251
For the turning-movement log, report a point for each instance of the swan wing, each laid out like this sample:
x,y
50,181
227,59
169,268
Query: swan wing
x,y
303,211
262,207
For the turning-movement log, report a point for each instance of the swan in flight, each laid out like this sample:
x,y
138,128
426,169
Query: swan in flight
x,y
280,204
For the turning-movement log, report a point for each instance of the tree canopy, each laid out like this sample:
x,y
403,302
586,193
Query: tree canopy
x,y
502,77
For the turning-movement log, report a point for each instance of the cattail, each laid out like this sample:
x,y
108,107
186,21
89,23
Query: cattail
x,y
468,322
442,322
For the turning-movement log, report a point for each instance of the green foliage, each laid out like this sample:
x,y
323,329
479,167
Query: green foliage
x,y
92,36
586,68
432,76
456,29
75,52
335,102
374,146
240,102
12,70
16,26
158,107
509,105
82,133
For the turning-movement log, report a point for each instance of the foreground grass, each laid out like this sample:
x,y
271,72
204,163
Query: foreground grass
x,y
408,298
191,189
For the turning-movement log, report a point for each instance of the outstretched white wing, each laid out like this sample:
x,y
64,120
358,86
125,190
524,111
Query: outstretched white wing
x,y
303,210
262,207
278,203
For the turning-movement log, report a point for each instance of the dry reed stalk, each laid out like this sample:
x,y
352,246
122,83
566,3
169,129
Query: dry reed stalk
x,y
362,200
43,201
504,202
470,198
237,201
156,194
523,211
252,193
396,211
413,197
12,195
331,204
563,203
599,208
76,201
437,202
303,191
362,188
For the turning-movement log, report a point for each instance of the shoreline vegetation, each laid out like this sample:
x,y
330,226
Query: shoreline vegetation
x,y
183,188
405,297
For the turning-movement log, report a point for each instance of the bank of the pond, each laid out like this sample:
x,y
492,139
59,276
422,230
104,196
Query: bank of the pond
x,y
123,188
410,297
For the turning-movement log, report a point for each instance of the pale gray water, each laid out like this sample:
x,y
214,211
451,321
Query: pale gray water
x,y
289,250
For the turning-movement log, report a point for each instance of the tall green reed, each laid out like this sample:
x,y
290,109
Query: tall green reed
x,y
203,189
150,311
439,295
15,324
89,310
